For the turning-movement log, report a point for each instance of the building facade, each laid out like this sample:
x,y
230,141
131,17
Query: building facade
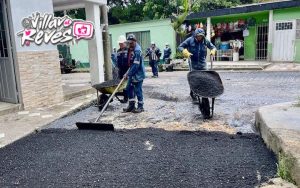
x,y
30,75
158,31
265,31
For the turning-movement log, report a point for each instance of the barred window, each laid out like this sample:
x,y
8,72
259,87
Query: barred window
x,y
284,26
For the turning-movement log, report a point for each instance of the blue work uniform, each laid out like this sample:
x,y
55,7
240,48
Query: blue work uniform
x,y
122,62
136,75
167,54
154,56
199,51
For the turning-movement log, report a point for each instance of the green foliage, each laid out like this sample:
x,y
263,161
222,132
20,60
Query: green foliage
x,y
74,13
298,102
178,55
124,14
284,167
159,9
204,5
125,11
178,20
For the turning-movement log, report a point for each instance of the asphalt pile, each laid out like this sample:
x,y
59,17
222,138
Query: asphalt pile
x,y
205,83
105,84
136,158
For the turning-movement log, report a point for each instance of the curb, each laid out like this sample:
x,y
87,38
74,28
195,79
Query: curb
x,y
77,109
79,93
273,138
38,128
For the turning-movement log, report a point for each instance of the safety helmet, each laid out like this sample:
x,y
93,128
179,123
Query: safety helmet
x,y
122,39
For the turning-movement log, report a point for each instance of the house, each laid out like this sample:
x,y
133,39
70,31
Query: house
x,y
30,74
265,31
158,31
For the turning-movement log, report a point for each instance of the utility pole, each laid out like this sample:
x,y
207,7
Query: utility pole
x,y
106,45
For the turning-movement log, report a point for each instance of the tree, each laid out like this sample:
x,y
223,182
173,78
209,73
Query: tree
x,y
178,20
125,11
204,5
158,9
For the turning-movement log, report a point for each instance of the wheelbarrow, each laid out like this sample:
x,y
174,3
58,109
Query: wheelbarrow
x,y
205,85
106,89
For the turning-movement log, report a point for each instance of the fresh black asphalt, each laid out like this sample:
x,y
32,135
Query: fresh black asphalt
x,y
136,158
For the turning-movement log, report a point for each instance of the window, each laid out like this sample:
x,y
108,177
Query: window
x,y
284,26
143,38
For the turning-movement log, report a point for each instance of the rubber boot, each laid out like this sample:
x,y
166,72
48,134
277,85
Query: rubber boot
x,y
130,107
125,98
139,109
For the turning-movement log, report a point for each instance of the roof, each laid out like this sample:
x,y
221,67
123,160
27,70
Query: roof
x,y
245,9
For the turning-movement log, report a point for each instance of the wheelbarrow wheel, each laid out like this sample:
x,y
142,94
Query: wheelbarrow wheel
x,y
205,108
103,98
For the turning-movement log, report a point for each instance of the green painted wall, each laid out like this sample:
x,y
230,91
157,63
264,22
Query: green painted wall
x,y
250,44
289,14
286,14
80,52
161,32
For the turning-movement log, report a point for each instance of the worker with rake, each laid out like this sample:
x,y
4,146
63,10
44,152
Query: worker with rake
x,y
135,75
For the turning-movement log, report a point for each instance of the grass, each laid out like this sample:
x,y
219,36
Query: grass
x,y
298,103
284,166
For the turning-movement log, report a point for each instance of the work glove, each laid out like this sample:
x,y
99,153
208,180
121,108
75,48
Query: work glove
x,y
213,52
186,53
125,76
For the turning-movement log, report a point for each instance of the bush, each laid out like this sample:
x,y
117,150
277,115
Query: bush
x,y
178,55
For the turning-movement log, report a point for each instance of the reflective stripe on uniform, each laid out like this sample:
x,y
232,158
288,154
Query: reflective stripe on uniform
x,y
136,62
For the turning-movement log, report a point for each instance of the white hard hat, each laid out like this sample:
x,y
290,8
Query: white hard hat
x,y
122,39
152,42
167,44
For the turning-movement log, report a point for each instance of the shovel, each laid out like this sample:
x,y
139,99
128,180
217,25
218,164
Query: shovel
x,y
97,125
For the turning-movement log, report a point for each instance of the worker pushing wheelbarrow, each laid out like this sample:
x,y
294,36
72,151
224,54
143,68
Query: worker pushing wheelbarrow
x,y
204,84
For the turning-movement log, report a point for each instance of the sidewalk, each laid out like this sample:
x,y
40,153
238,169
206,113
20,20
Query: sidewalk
x,y
19,124
279,126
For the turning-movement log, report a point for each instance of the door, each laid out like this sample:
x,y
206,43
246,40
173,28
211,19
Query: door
x,y
8,87
261,42
284,41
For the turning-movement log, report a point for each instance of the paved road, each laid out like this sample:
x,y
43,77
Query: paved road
x,y
57,157
168,104
136,158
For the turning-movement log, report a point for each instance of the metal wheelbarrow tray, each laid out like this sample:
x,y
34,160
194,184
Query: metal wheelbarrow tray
x,y
204,85
107,88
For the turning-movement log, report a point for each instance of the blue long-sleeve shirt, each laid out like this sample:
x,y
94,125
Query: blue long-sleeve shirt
x,y
137,68
198,49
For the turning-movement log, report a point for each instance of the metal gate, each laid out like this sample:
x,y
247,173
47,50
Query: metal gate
x,y
8,87
261,51
284,41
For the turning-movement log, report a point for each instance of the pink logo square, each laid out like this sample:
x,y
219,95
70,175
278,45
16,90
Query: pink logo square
x,y
83,30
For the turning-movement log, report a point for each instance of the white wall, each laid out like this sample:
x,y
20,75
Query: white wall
x,y
24,8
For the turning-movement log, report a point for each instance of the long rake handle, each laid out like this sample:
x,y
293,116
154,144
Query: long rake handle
x,y
211,62
108,101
